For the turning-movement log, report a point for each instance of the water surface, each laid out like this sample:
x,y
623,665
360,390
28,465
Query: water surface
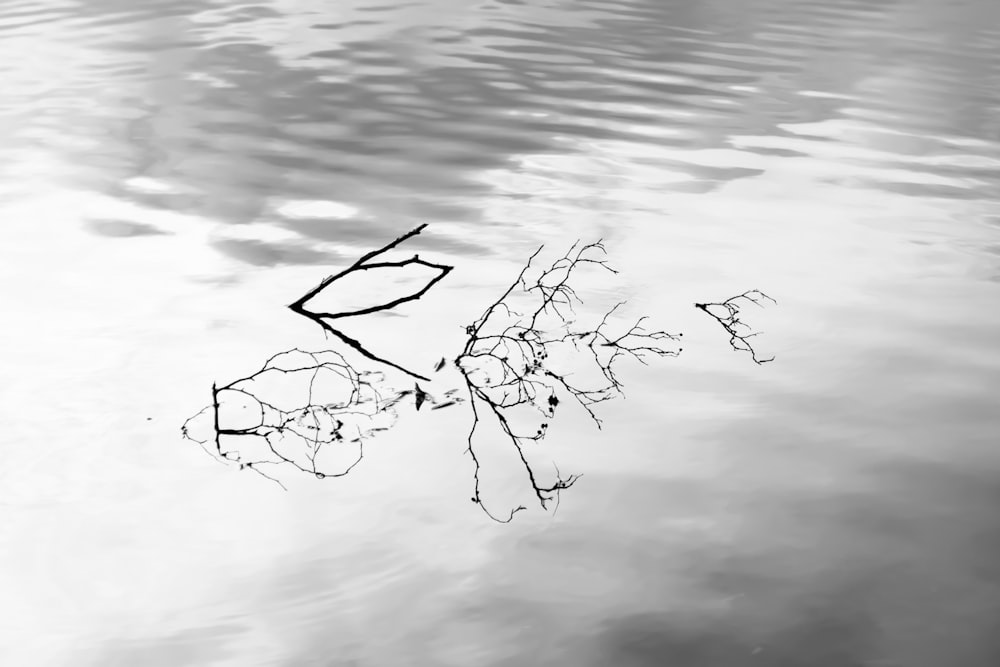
x,y
172,173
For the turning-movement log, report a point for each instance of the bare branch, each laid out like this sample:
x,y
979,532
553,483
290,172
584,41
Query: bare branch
x,y
364,264
505,361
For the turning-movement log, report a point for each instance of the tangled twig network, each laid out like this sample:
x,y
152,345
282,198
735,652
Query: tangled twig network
x,y
310,411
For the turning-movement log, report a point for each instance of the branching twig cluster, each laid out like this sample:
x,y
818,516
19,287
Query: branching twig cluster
x,y
506,359
727,313
313,411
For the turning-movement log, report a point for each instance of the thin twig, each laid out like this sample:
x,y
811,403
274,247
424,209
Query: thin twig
x,y
728,315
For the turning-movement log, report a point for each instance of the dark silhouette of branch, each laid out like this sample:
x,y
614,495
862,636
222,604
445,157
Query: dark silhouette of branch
x,y
363,264
506,360
727,313
312,412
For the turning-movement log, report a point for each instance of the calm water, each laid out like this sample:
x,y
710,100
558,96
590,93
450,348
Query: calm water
x,y
172,173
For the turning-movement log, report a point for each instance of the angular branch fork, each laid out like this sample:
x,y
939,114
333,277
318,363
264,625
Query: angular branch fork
x,y
364,264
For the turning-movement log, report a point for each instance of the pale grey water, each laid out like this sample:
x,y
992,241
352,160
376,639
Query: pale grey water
x,y
172,173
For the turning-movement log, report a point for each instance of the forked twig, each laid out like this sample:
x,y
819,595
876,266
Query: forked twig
x,y
363,264
727,313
